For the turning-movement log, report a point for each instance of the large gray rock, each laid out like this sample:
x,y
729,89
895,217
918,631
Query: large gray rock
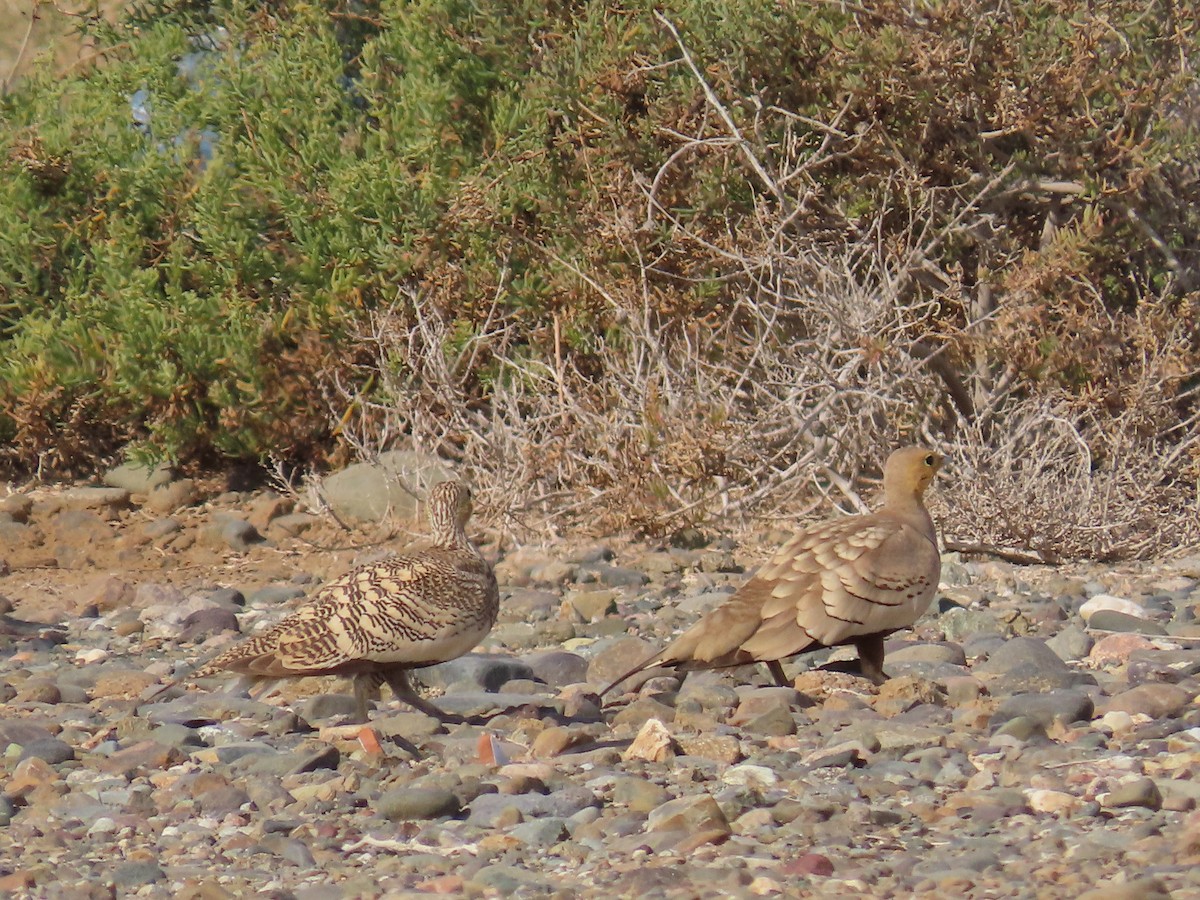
x,y
417,803
138,478
1044,708
1027,664
489,671
370,492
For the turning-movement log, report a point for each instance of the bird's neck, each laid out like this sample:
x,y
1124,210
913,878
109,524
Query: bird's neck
x,y
452,537
912,510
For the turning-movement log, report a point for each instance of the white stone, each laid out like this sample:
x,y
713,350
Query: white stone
x,y
750,776
103,825
652,744
1057,803
1117,721
1108,601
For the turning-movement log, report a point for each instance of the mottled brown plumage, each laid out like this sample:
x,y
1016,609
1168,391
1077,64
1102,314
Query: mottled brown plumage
x,y
852,580
377,622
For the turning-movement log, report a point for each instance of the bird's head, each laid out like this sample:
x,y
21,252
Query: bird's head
x,y
909,471
449,506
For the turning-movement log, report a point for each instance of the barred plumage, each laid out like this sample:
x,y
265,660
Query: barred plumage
x,y
853,580
377,622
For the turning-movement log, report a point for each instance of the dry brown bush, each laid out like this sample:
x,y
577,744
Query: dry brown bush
x,y
827,343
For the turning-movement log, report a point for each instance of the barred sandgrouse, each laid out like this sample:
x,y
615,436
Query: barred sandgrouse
x,y
851,580
377,622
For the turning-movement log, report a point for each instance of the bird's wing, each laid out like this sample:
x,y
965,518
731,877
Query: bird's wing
x,y
844,579
405,609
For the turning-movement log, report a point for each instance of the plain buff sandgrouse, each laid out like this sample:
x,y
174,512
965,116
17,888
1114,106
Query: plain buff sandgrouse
x,y
852,580
379,621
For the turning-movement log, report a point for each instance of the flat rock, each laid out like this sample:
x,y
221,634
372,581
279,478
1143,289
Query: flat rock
x,y
1071,643
557,668
1138,792
1110,603
138,478
1111,620
940,652
688,814
391,486
486,671
617,657
417,803
1027,664
1057,705
1155,700
958,622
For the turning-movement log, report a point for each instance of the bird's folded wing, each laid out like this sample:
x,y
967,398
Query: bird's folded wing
x,y
841,581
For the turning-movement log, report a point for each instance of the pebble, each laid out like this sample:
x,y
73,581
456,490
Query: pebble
x,y
1109,603
417,803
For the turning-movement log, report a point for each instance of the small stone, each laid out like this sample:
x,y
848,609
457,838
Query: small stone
x,y
613,576
758,778
137,873
486,671
87,498
38,690
106,593
958,622
1111,620
50,750
808,864
652,744
556,740
138,478
1148,888
557,668
1071,643
913,651
231,531
639,794
204,623
688,814
121,683
591,606
1027,664
1110,603
1062,704
1020,727
774,722
1055,803
1139,792
722,748
1117,648
417,803
291,524
171,497
541,832
1154,700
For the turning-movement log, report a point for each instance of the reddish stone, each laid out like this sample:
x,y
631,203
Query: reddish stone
x,y
808,864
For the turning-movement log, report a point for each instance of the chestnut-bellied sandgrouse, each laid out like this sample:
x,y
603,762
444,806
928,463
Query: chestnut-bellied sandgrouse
x,y
377,622
852,580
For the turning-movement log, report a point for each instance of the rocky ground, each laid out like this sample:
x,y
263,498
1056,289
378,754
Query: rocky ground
x,y
1040,736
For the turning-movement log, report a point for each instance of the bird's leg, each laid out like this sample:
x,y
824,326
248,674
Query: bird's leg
x,y
775,667
870,657
397,680
366,689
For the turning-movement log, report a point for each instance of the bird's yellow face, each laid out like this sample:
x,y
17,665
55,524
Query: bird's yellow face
x,y
911,470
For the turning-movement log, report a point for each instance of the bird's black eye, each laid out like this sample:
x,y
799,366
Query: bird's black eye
x,y
929,460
